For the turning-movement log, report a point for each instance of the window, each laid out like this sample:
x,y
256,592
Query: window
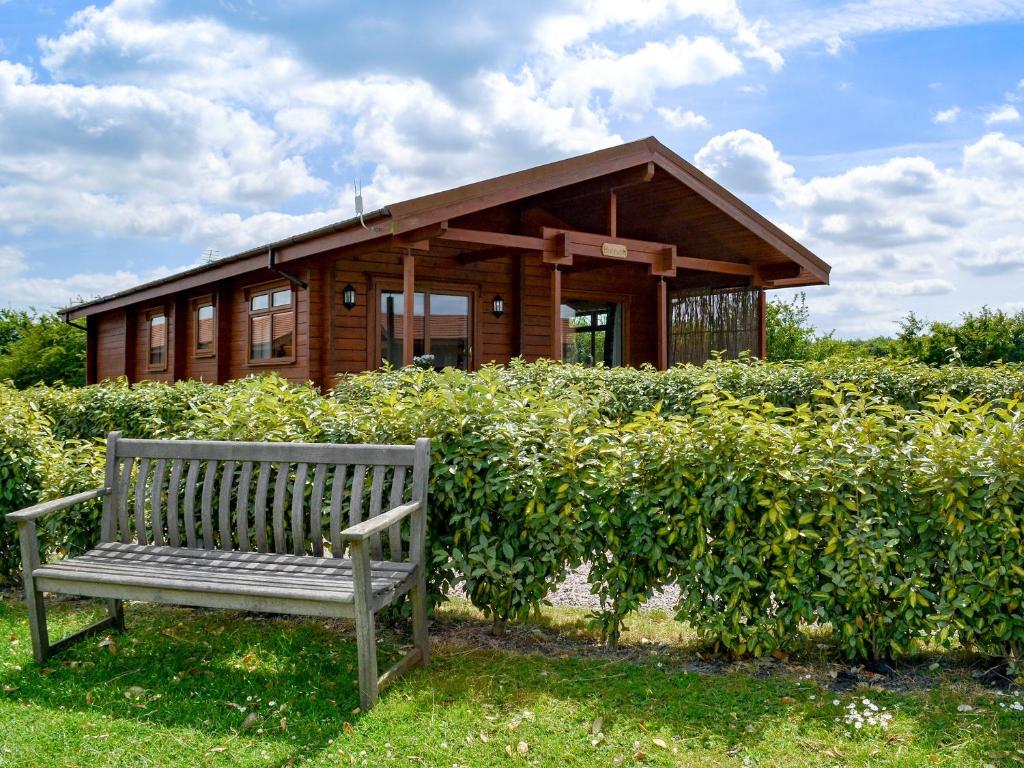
x,y
205,333
156,322
592,333
441,328
272,325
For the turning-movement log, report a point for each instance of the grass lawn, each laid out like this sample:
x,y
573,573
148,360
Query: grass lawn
x,y
192,687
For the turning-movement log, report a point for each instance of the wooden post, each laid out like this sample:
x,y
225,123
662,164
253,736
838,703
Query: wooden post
x,y
408,291
662,325
91,337
556,314
762,326
130,322
182,343
223,310
613,215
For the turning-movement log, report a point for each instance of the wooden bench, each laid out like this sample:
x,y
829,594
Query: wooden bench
x,y
276,527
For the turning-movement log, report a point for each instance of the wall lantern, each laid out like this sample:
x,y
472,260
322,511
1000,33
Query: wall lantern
x,y
498,306
348,296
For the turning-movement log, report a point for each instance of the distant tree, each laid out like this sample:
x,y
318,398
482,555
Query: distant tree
x,y
40,349
978,339
790,335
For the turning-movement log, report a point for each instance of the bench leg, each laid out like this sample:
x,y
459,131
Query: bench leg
x,y
366,642
418,599
115,610
37,623
366,636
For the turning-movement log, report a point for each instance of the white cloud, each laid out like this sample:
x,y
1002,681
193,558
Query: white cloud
x,y
746,163
21,290
1007,113
632,79
902,230
678,118
826,24
946,115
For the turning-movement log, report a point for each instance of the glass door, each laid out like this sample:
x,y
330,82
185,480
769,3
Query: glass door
x,y
442,324
592,332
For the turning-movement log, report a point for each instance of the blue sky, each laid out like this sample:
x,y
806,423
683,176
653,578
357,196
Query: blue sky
x,y
885,134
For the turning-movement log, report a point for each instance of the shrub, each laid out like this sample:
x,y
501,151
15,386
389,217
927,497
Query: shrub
x,y
26,447
883,499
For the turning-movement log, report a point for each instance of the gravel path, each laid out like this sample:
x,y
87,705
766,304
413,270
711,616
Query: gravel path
x,y
574,592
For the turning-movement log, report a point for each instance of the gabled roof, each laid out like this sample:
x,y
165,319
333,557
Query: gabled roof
x,y
421,212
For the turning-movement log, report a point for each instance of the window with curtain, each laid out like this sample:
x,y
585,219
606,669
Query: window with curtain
x,y
157,327
205,329
272,325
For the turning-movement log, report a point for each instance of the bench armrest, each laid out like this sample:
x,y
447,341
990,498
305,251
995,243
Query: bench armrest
x,y
48,507
366,529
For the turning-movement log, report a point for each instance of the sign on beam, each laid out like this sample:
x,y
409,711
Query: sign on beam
x,y
614,251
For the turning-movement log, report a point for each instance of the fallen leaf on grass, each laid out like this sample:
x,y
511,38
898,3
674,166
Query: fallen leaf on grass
x,y
134,693
833,753
522,747
109,644
219,749
483,737
660,743
250,720
597,725
788,700
234,706
348,728
639,756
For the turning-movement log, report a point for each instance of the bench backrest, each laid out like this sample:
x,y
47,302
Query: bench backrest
x,y
266,497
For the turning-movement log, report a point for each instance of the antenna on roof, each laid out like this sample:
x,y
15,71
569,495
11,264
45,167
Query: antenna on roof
x,y
210,255
357,185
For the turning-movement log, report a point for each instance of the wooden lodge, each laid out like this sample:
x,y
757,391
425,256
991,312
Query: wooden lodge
x,y
625,256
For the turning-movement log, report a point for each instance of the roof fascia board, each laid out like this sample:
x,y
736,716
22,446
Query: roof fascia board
x,y
742,213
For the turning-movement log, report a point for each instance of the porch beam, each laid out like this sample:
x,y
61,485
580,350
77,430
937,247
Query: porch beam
x,y
420,237
500,239
662,324
713,265
769,273
613,214
408,293
556,313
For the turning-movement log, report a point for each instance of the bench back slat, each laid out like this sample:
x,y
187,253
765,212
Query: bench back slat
x,y
337,496
173,488
266,497
280,489
190,503
298,497
316,512
242,508
261,506
224,508
156,501
140,500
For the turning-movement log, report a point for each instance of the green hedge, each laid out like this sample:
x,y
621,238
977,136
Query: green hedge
x,y
881,505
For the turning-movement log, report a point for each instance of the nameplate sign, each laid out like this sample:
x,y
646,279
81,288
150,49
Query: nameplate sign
x,y
614,251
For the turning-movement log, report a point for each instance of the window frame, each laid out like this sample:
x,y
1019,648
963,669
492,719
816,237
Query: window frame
x,y
198,303
270,289
152,313
470,290
574,294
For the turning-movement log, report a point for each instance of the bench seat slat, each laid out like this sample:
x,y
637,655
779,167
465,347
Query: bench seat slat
x,y
291,576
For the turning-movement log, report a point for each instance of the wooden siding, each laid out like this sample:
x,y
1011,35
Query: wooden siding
x,y
110,345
